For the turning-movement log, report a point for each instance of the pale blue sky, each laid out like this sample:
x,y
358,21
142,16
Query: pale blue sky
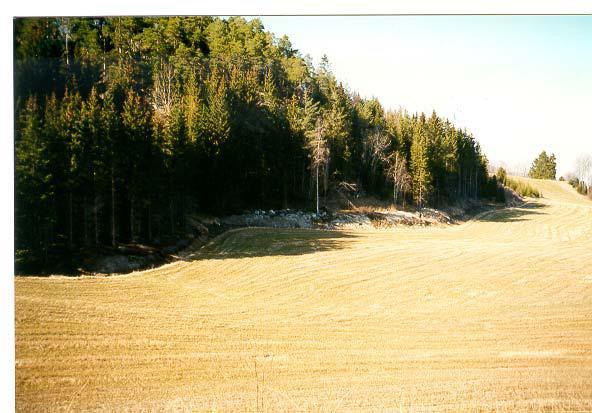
x,y
521,84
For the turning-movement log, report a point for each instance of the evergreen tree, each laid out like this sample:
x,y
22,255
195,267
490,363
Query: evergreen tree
x,y
135,128
543,167
72,135
32,179
422,179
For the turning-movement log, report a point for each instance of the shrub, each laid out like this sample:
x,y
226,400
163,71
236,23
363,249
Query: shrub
x,y
501,175
522,188
580,186
574,182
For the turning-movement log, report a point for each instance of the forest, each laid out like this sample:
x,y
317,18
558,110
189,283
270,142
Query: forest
x,y
125,126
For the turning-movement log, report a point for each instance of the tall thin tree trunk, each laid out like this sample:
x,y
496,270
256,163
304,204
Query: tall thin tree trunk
x,y
113,240
67,53
317,172
420,197
150,220
303,182
172,215
85,215
285,188
96,218
183,210
132,235
53,220
70,221
104,54
325,179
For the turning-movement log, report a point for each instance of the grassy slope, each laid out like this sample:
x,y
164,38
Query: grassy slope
x,y
494,314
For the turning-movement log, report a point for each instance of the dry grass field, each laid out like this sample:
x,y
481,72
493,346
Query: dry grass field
x,y
491,315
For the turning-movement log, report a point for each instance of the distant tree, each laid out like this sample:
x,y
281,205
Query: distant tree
x,y
584,169
543,167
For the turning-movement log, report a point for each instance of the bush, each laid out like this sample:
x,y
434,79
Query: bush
x,y
522,188
501,175
574,182
492,190
580,186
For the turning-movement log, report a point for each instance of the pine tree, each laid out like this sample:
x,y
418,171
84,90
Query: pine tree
x,y
111,129
72,134
420,166
32,178
136,132
216,112
543,167
98,146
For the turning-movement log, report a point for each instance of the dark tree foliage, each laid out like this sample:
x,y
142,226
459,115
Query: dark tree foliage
x,y
125,126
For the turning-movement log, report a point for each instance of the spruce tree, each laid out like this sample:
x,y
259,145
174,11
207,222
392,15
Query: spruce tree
x,y
32,178
420,166
543,167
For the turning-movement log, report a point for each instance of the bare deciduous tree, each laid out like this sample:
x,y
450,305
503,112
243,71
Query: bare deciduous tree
x,y
394,163
584,169
378,145
396,172
163,93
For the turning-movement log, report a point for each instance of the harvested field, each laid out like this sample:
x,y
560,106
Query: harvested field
x,y
494,314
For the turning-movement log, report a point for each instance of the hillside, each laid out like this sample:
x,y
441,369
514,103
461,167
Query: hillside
x,y
493,314
125,127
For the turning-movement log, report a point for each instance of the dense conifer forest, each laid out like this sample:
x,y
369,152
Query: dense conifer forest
x,y
125,126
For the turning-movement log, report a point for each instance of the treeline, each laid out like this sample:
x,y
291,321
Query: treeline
x,y
125,126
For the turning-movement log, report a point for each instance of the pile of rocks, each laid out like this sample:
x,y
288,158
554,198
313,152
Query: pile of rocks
x,y
285,218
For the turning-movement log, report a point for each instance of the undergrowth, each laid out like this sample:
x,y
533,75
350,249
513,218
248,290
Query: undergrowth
x,y
522,188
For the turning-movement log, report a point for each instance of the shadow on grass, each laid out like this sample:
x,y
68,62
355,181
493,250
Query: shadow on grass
x,y
522,213
264,242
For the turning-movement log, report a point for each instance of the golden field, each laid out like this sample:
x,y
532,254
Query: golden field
x,y
491,315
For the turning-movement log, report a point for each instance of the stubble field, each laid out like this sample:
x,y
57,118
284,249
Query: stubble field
x,y
494,314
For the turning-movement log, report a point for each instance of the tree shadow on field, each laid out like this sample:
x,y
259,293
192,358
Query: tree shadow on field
x,y
525,212
265,242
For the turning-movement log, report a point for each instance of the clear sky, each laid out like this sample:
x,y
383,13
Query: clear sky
x,y
521,84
